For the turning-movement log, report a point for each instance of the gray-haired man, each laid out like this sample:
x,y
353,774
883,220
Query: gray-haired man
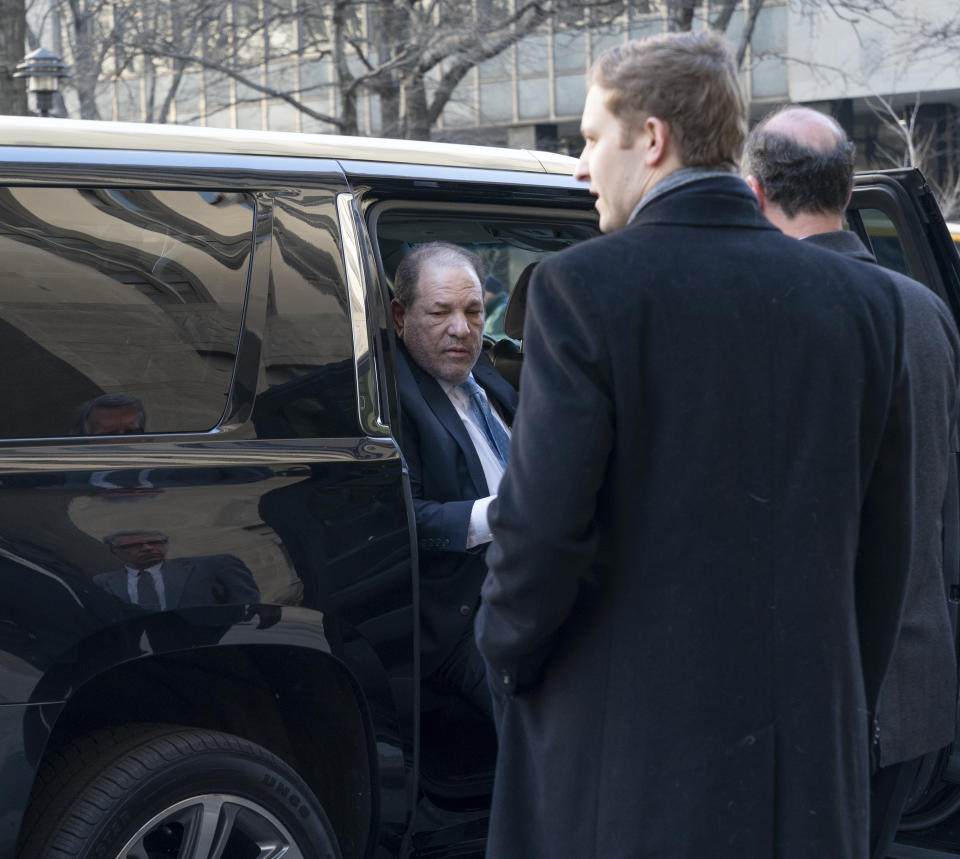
x,y
455,437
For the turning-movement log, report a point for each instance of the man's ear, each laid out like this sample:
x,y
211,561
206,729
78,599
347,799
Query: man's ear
x,y
757,189
397,310
657,142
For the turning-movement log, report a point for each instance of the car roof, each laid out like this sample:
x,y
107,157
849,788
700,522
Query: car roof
x,y
89,134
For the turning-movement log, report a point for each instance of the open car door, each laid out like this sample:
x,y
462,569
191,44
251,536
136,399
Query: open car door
x,y
895,214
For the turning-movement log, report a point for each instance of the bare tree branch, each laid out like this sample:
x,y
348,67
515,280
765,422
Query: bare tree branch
x,y
749,26
246,81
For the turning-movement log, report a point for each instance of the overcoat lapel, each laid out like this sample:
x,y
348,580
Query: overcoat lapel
x,y
116,584
441,406
177,572
497,388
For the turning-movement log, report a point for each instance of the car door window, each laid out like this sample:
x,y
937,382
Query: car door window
x,y
506,242
881,233
897,218
120,308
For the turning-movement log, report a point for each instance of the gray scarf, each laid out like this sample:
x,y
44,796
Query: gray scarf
x,y
677,179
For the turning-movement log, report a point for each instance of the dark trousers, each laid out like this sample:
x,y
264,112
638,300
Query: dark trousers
x,y
464,673
889,789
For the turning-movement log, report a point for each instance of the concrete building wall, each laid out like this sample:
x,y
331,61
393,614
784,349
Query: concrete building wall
x,y
832,57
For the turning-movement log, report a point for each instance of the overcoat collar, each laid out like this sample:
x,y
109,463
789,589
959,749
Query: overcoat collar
x,y
724,201
842,242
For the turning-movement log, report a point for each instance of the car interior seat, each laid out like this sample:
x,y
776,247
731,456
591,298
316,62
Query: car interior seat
x,y
506,355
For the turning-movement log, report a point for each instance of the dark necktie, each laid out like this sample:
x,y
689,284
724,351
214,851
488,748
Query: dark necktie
x,y
483,417
147,596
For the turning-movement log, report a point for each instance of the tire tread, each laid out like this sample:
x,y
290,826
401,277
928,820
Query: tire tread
x,y
78,784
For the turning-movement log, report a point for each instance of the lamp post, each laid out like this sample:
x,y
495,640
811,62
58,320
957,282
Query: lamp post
x,y
43,71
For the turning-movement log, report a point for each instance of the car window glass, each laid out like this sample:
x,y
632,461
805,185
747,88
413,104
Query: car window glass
x,y
308,345
505,246
120,309
884,241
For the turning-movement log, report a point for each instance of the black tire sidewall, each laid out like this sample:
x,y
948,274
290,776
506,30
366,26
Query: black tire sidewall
x,y
159,769
220,773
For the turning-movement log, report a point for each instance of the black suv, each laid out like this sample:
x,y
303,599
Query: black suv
x,y
200,386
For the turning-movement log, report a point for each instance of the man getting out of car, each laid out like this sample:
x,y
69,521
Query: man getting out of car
x,y
712,446
456,410
800,165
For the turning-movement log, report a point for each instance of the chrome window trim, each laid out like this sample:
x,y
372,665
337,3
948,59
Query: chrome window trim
x,y
34,161
368,387
494,174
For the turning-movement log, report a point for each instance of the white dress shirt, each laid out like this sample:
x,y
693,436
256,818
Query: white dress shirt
x,y
478,532
154,571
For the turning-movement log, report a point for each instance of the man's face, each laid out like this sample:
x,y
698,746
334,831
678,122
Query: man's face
x,y
140,550
443,327
120,420
617,174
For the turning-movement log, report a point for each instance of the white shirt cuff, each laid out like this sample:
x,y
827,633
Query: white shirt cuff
x,y
478,531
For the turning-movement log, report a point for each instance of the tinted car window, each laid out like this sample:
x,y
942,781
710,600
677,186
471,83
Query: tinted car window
x,y
506,246
136,295
884,241
308,345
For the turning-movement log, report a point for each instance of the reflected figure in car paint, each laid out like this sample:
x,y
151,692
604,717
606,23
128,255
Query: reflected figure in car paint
x,y
111,414
154,583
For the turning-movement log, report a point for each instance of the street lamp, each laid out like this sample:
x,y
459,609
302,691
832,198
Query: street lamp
x,y
43,71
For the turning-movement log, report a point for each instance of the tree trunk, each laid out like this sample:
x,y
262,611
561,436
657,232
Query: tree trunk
x,y
392,26
754,10
86,70
418,120
347,109
722,20
390,110
163,115
680,15
13,34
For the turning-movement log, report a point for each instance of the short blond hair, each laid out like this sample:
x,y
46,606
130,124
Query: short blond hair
x,y
687,80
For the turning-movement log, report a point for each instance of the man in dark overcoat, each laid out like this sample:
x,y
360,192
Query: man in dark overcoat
x,y
451,399
712,443
799,163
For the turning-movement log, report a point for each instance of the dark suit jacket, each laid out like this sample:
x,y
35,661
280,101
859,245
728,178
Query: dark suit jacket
x,y
446,477
918,699
674,600
193,582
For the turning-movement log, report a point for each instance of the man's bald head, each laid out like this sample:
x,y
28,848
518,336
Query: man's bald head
x,y
802,161
806,126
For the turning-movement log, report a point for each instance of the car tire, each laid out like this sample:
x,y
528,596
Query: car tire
x,y
148,791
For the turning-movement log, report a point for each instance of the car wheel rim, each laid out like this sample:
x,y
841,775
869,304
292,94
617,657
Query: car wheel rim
x,y
212,826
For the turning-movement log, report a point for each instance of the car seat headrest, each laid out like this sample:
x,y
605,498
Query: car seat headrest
x,y
517,305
